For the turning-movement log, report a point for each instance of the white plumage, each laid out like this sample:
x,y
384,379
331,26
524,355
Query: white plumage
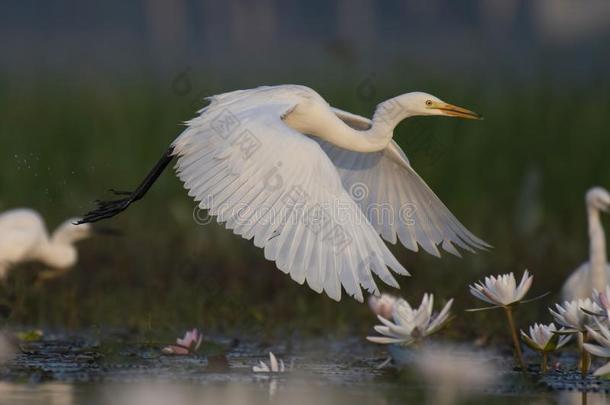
x,y
307,182
595,273
24,238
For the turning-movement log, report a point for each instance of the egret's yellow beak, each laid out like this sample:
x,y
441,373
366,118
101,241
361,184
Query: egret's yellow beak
x,y
455,111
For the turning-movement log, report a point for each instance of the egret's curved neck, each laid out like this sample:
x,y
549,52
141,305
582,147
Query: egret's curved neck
x,y
387,115
332,129
597,249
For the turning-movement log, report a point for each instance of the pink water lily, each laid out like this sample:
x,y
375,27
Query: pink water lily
x,y
187,345
382,305
603,301
411,324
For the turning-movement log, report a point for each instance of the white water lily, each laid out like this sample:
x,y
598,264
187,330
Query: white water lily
x,y
502,290
544,338
601,336
411,325
382,305
275,365
574,315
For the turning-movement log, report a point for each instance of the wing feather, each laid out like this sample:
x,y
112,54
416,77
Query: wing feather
x,y
396,200
269,183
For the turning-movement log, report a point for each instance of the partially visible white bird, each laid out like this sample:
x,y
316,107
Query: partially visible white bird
x,y
24,238
595,273
313,185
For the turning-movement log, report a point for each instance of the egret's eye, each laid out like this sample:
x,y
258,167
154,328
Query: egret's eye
x,y
428,103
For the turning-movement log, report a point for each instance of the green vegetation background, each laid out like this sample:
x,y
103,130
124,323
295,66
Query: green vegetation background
x,y
516,179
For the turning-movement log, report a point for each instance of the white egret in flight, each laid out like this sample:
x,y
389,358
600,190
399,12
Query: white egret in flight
x,y
312,185
595,273
24,238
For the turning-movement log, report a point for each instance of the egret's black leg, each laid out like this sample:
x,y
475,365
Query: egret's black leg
x,y
108,209
116,192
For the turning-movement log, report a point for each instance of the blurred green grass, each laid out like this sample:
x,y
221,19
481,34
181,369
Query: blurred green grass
x,y
64,141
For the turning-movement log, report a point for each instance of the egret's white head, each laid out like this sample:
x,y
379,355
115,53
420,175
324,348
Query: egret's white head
x,y
70,233
598,198
419,103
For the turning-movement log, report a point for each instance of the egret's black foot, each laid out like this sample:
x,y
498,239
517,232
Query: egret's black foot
x,y
106,209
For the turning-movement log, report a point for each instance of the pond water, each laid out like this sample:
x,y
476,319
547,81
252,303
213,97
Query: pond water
x,y
67,370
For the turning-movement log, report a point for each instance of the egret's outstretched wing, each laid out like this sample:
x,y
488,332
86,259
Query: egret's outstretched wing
x,y
397,202
268,182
